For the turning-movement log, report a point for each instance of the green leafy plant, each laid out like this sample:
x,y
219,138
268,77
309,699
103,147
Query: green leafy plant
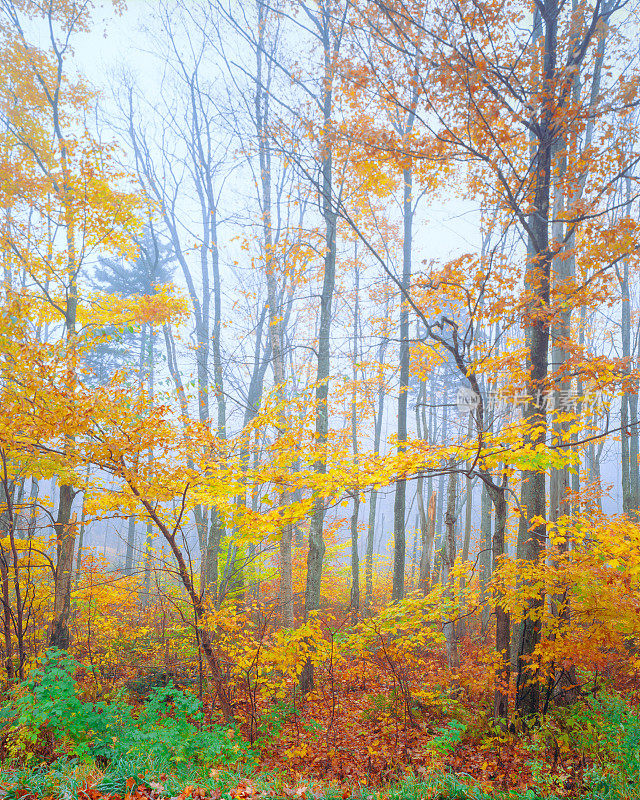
x,y
448,737
609,729
48,700
169,726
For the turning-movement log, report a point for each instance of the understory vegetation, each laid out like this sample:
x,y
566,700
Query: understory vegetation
x,y
136,717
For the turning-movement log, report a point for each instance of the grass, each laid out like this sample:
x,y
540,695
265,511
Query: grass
x,y
65,778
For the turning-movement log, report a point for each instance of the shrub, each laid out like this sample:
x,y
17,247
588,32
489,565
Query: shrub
x,y
169,726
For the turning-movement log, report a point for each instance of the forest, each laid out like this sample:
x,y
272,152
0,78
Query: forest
x,y
319,439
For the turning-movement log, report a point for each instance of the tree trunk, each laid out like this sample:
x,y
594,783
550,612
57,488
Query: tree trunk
x,y
368,568
83,517
427,546
469,507
216,350
131,545
33,501
143,365
145,595
276,313
65,528
399,506
629,407
200,512
448,560
425,520
286,574
501,694
377,435
315,558
6,616
64,525
466,542
594,471
423,526
355,559
537,279
485,558
7,611
441,491
214,544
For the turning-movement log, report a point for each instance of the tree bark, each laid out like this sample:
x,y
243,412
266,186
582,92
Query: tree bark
x,y
355,559
83,518
448,560
377,435
276,312
503,628
629,404
485,558
399,506
330,42
440,496
427,546
537,279
65,529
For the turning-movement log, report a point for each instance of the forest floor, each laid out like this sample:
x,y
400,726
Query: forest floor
x,y
361,733
347,748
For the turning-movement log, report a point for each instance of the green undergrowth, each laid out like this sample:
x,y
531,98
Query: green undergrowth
x,y
54,743
168,727
63,780
460,787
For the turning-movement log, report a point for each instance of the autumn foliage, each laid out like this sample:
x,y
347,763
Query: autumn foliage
x,y
199,403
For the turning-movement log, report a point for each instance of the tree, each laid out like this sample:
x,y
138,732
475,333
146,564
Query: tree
x,y
70,188
520,116
190,131
150,269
